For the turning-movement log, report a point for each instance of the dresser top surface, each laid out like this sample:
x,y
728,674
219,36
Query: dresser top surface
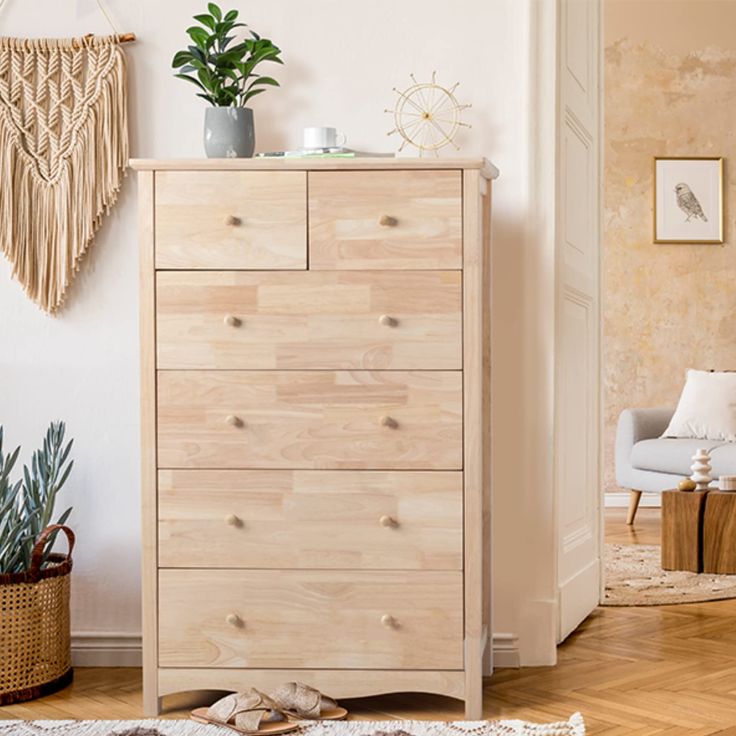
x,y
486,168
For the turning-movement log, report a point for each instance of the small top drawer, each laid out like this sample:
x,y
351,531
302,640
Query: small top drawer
x,y
385,219
231,219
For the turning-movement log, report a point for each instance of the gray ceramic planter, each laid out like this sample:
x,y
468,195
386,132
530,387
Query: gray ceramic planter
x,y
229,132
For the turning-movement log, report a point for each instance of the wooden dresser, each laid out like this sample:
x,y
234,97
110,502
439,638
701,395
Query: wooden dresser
x,y
315,433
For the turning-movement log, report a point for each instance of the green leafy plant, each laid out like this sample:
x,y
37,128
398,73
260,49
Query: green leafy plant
x,y
27,505
225,73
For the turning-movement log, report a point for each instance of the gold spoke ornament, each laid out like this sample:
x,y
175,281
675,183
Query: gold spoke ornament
x,y
427,116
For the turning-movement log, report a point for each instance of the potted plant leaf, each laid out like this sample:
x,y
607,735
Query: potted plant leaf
x,y
224,72
35,648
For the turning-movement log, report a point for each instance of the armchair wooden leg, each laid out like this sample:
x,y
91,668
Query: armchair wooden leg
x,y
634,498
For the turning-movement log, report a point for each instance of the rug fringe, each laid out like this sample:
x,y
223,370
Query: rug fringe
x,y
572,727
578,724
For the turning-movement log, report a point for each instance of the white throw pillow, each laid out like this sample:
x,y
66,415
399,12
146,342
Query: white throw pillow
x,y
707,407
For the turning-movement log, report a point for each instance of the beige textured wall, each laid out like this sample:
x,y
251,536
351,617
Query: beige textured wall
x,y
670,76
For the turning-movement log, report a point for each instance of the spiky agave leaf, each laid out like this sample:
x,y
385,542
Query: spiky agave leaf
x,y
27,506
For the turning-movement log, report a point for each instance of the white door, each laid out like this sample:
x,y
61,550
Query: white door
x,y
577,332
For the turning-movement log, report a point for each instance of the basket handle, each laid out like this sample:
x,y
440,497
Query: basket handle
x,y
37,554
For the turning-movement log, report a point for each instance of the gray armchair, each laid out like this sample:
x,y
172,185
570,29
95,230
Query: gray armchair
x,y
646,462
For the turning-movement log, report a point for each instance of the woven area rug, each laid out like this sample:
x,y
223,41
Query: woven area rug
x,y
573,727
634,578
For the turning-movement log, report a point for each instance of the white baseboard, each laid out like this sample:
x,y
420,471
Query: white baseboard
x,y
106,649
100,649
619,500
506,651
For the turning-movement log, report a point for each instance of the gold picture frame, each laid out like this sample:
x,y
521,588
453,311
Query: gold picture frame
x,y
688,200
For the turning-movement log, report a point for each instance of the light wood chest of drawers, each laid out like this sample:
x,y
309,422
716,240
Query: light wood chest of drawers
x,y
315,434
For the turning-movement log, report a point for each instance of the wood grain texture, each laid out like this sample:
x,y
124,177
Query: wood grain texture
x,y
149,582
474,387
345,211
315,487
486,168
235,219
310,419
486,444
311,619
338,683
309,319
682,530
311,519
719,533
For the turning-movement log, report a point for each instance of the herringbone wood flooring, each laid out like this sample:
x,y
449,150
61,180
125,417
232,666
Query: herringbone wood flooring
x,y
634,671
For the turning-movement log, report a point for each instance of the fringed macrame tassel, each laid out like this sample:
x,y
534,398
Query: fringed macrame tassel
x,y
58,181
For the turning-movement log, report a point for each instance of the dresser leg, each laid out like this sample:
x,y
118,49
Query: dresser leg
x,y
151,702
473,699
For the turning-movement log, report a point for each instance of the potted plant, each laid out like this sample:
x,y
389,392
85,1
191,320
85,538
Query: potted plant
x,y
224,72
35,648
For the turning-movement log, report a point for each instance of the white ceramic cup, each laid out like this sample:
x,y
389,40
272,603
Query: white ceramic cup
x,y
323,138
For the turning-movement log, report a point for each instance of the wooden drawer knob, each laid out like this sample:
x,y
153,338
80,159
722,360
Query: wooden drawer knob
x,y
233,520
387,320
388,621
232,220
232,320
389,422
234,421
234,620
388,221
388,521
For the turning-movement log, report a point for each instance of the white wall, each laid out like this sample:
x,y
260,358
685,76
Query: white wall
x,y
342,59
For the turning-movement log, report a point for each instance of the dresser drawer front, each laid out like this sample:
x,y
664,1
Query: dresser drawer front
x,y
310,419
385,219
309,319
310,519
231,219
297,619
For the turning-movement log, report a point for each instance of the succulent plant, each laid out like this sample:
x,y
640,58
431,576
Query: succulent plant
x,y
27,505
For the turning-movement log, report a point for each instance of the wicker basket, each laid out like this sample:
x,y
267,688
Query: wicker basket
x,y
35,647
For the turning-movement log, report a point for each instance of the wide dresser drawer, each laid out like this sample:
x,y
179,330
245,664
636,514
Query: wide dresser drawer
x,y
310,519
309,319
231,219
300,619
310,419
385,219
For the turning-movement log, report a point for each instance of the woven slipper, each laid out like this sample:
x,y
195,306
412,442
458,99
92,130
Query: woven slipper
x,y
298,700
249,712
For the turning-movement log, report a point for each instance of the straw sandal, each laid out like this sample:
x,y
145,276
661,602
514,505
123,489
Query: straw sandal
x,y
297,700
249,712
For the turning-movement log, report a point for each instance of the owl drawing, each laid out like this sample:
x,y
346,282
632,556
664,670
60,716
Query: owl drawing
x,y
688,203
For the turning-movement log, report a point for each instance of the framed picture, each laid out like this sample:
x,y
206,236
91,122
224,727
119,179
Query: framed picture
x,y
688,200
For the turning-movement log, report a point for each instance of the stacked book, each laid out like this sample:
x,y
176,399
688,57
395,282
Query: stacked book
x,y
323,153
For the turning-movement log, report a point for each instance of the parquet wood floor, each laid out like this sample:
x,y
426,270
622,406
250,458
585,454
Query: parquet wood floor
x,y
634,671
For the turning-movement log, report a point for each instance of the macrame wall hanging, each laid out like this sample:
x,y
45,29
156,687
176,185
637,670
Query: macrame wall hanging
x,y
63,153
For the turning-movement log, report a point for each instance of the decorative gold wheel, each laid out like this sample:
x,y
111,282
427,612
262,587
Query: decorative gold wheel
x,y
427,116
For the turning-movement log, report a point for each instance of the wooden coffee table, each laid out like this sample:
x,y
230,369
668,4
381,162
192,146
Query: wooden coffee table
x,y
719,533
682,529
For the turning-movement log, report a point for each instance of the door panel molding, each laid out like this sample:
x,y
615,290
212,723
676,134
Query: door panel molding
x,y
577,328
